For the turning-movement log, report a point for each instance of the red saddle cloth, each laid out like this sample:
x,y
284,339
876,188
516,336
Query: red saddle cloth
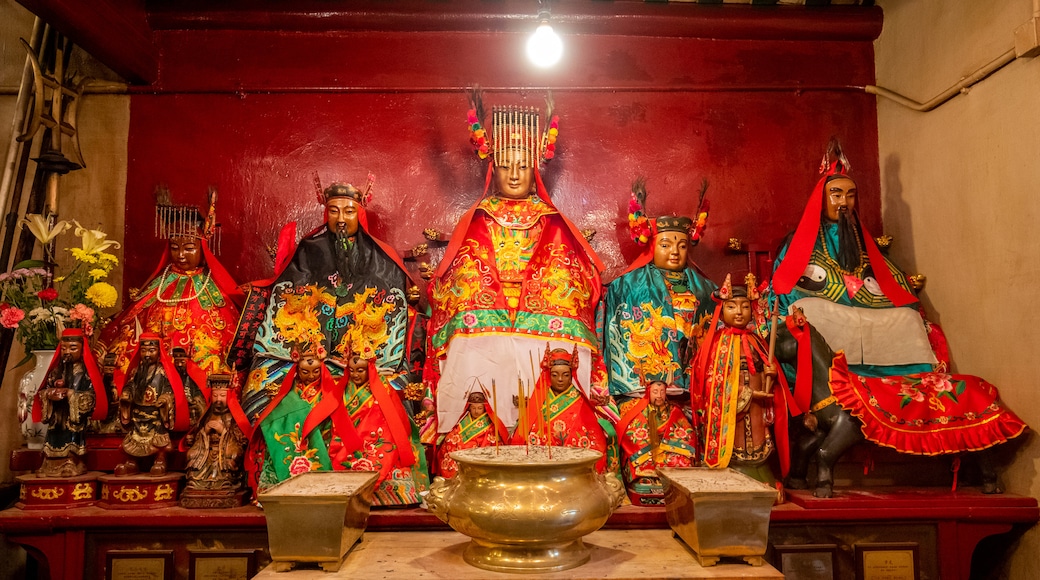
x,y
927,413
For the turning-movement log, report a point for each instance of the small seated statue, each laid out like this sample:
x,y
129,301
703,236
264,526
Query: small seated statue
x,y
478,427
216,449
654,433
71,392
559,413
389,439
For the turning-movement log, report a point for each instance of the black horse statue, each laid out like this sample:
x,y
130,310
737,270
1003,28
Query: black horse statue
x,y
832,430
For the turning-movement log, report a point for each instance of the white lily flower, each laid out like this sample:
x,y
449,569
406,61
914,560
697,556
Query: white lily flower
x,y
41,230
94,240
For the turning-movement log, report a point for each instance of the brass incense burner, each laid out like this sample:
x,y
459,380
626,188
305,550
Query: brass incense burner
x,y
526,509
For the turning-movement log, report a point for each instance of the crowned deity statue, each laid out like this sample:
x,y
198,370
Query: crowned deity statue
x,y
659,307
216,446
190,301
152,406
733,400
515,276
560,414
477,427
300,429
389,439
654,432
340,286
73,392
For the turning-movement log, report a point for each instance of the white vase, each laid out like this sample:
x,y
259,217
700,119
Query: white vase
x,y
34,432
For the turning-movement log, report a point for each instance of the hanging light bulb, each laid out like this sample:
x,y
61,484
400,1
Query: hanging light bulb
x,y
545,47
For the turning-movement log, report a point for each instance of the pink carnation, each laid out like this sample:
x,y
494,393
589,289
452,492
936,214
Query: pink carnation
x,y
11,316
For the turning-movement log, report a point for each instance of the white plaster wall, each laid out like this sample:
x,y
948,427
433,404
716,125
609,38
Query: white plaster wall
x,y
960,195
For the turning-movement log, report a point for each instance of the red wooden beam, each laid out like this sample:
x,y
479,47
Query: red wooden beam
x,y
115,32
623,17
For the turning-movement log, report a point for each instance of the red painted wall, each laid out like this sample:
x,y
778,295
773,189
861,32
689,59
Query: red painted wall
x,y
256,113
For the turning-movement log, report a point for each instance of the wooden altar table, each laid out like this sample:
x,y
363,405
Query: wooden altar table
x,y
616,554
72,544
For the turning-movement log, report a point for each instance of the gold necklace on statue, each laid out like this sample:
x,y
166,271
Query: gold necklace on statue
x,y
858,272
163,287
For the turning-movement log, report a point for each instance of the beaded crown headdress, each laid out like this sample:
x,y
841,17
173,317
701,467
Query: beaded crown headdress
x,y
513,130
186,221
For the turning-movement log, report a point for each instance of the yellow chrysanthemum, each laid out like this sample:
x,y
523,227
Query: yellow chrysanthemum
x,y
102,294
83,256
98,273
106,260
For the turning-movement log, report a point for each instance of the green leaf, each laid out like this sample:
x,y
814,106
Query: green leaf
x,y
29,264
906,401
28,357
961,385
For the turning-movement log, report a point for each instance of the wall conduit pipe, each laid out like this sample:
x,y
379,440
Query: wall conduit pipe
x,y
988,69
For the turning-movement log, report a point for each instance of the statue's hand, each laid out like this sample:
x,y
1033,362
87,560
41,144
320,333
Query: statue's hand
x,y
810,422
770,370
599,399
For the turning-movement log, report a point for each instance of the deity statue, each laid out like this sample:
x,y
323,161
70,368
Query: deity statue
x,y
72,391
560,414
734,408
888,364
190,301
515,276
654,433
151,405
216,449
191,377
341,286
658,308
304,424
477,427
110,422
390,441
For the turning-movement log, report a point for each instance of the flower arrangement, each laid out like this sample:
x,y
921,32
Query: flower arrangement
x,y
40,305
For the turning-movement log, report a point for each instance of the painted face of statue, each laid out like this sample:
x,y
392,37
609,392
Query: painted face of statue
x,y
149,352
658,393
218,400
670,250
308,369
476,410
71,350
514,175
560,378
736,312
840,194
358,369
180,359
341,216
185,254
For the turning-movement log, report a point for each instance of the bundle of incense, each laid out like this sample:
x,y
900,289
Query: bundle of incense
x,y
494,398
522,399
